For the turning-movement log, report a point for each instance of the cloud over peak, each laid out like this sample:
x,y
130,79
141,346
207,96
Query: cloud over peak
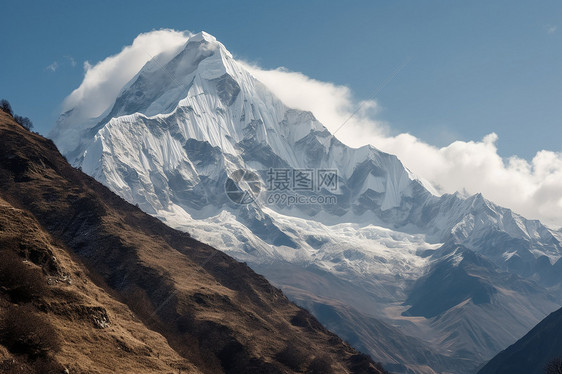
x,y
104,80
532,188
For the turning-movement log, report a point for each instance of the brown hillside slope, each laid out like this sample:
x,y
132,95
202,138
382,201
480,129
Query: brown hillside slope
x,y
99,334
213,311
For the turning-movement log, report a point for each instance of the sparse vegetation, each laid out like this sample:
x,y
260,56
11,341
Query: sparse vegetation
x,y
25,332
304,319
234,357
15,367
40,365
47,365
361,364
25,122
6,107
21,282
292,357
320,365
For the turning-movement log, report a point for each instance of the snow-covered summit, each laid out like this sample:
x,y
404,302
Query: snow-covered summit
x,y
143,147
202,36
204,94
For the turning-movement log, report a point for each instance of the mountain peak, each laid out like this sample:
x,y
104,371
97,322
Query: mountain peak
x,y
202,36
207,43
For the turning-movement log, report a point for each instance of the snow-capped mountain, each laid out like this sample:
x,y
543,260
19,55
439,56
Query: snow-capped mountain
x,y
191,136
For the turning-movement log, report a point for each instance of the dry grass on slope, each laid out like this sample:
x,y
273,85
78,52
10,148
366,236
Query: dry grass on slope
x,y
74,323
212,310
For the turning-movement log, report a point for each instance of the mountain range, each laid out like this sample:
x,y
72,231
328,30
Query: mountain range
x,y
91,284
533,353
350,233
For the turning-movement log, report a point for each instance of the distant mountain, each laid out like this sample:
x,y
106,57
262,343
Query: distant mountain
x,y
126,293
198,142
532,353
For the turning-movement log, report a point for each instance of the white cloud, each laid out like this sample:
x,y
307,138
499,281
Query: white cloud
x,y
53,67
331,104
551,29
71,60
103,80
531,188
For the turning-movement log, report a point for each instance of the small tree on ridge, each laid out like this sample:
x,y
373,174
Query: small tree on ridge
x,y
6,107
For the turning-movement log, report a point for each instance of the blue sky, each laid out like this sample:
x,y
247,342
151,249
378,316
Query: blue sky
x,y
476,67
